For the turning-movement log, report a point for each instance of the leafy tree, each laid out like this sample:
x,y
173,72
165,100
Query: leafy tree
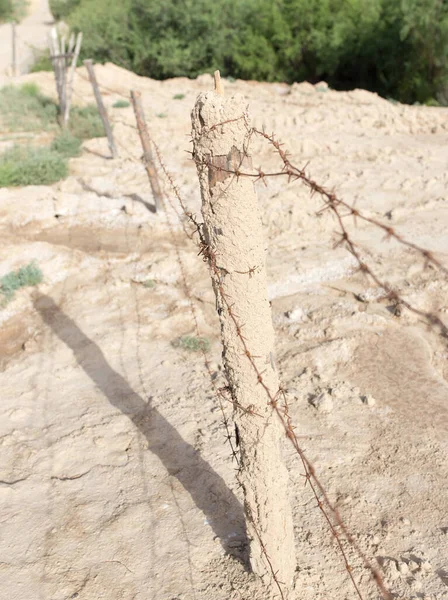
x,y
6,9
397,48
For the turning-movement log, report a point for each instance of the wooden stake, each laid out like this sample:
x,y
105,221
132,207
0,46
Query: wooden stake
x,y
14,48
136,98
219,89
101,108
71,74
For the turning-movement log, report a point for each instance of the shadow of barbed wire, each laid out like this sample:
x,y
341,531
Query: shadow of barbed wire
x,y
210,493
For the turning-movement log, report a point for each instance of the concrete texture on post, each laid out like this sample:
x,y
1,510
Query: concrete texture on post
x,y
136,98
101,108
233,233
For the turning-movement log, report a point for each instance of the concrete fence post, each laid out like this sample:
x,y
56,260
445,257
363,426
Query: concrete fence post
x,y
236,253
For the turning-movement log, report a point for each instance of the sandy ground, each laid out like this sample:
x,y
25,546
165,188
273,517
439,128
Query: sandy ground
x,y
31,35
116,481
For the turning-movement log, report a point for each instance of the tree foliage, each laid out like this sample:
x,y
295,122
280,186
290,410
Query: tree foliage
x,y
6,10
398,48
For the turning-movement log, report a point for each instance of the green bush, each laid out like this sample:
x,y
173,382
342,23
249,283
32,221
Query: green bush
x,y
42,62
191,343
6,10
66,144
30,275
398,48
85,123
62,8
121,104
26,109
31,166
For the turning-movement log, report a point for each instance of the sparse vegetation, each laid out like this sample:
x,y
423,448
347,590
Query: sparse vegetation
x,y
162,115
178,96
25,165
149,283
42,62
67,145
192,343
25,108
12,9
85,122
121,104
29,275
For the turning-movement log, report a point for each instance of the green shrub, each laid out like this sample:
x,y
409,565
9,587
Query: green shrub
x,y
66,144
149,283
178,96
398,48
42,62
6,10
62,8
193,344
26,109
30,275
31,166
85,123
121,104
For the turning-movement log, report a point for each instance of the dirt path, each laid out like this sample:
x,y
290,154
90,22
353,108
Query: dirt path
x,y
31,33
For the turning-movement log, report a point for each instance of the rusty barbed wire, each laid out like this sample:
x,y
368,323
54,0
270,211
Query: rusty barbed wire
x,y
310,473
333,203
220,392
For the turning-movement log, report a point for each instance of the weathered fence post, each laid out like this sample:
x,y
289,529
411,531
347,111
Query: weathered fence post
x,y
74,50
14,48
235,250
60,56
101,108
136,98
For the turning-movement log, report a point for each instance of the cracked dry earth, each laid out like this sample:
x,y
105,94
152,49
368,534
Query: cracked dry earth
x,y
115,478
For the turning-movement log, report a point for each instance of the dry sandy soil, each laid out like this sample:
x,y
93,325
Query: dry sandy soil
x,y
116,481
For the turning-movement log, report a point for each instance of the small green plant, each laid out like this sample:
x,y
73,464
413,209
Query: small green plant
x,y
121,104
149,283
66,144
162,115
29,275
42,62
24,108
31,166
192,343
85,122
30,89
178,96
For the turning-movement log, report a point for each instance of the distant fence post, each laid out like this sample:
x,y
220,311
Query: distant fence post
x,y
71,74
234,247
14,48
101,108
60,55
136,98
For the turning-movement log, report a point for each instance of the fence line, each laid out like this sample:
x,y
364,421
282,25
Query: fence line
x,y
332,203
285,419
